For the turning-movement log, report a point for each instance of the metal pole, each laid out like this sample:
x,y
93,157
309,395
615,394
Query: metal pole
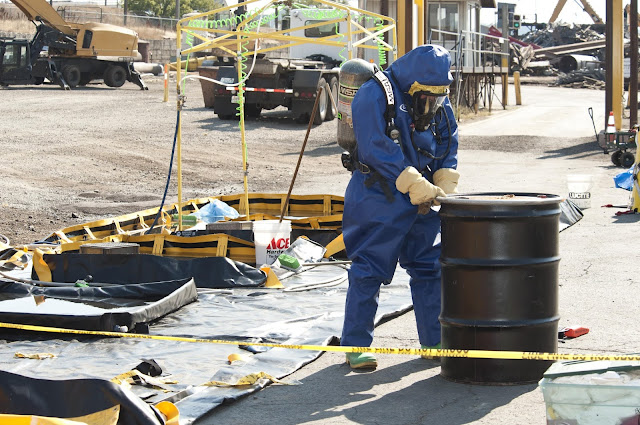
x,y
408,29
633,76
608,61
126,10
178,9
505,57
384,10
421,27
617,87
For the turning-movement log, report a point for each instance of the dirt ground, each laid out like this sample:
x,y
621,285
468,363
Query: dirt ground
x,y
95,152
75,156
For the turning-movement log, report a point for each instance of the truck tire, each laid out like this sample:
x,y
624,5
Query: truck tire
x,y
71,74
321,110
332,110
85,79
115,76
252,110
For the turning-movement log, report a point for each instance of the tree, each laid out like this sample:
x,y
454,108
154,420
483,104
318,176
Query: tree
x,y
167,8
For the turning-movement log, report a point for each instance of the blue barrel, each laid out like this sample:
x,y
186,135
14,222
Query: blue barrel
x,y
500,260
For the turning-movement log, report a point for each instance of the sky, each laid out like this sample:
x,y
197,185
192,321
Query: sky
x,y
529,10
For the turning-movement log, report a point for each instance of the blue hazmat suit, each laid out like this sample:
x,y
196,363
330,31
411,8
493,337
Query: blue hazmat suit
x,y
379,233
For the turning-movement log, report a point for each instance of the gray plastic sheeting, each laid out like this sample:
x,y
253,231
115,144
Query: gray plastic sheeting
x,y
248,315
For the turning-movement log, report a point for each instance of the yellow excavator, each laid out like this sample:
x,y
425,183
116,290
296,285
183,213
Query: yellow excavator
x,y
585,5
68,54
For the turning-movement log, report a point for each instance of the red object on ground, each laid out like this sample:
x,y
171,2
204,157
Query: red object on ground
x,y
573,332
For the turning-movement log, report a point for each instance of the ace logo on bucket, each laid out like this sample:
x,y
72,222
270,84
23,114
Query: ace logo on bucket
x,y
271,238
276,247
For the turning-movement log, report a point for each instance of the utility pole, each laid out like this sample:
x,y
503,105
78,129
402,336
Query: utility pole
x,y
505,55
614,83
633,68
384,11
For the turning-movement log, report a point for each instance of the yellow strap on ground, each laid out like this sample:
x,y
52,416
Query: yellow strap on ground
x,y
18,259
129,378
246,380
34,356
474,354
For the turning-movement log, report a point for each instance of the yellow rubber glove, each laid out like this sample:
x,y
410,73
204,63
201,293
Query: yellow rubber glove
x,y
447,180
421,191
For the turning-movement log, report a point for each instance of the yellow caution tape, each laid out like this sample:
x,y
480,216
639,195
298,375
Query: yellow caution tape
x,y
443,352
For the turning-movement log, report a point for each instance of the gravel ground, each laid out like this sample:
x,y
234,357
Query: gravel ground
x,y
75,156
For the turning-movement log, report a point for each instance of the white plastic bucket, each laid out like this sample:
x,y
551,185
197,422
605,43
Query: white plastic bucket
x,y
579,186
271,238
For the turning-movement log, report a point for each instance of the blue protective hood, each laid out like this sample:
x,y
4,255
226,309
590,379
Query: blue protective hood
x,y
428,64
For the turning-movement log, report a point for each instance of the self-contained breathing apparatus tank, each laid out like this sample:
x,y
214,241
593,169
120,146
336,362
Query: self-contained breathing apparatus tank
x,y
353,73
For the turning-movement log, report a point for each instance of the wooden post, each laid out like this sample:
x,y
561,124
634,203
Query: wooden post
x,y
633,76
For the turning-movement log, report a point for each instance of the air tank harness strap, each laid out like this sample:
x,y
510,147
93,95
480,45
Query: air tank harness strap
x,y
390,112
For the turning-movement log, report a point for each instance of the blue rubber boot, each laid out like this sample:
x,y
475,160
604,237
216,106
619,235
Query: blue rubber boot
x,y
435,347
361,361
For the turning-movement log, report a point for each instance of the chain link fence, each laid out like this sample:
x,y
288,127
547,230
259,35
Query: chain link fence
x,y
104,11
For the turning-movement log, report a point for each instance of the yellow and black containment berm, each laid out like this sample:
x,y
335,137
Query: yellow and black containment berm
x,y
500,260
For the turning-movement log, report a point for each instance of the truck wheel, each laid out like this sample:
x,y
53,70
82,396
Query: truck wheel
x,y
321,111
71,74
332,110
252,110
85,79
115,76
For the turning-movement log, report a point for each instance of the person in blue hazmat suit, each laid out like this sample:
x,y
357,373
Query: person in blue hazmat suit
x,y
387,216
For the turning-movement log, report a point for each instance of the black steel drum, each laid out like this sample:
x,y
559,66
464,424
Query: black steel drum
x,y
499,283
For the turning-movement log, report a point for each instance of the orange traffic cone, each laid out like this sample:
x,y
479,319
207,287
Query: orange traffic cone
x,y
611,127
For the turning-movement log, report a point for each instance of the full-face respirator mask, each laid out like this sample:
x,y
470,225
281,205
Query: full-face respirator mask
x,y
425,103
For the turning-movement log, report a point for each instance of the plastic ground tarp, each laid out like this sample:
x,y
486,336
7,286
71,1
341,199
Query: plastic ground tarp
x,y
243,315
105,308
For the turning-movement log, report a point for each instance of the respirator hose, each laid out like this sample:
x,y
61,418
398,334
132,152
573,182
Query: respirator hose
x,y
429,155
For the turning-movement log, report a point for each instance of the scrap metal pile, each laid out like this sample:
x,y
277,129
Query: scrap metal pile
x,y
574,53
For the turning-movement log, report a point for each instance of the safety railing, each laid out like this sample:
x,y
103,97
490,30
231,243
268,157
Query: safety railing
x,y
471,49
478,56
